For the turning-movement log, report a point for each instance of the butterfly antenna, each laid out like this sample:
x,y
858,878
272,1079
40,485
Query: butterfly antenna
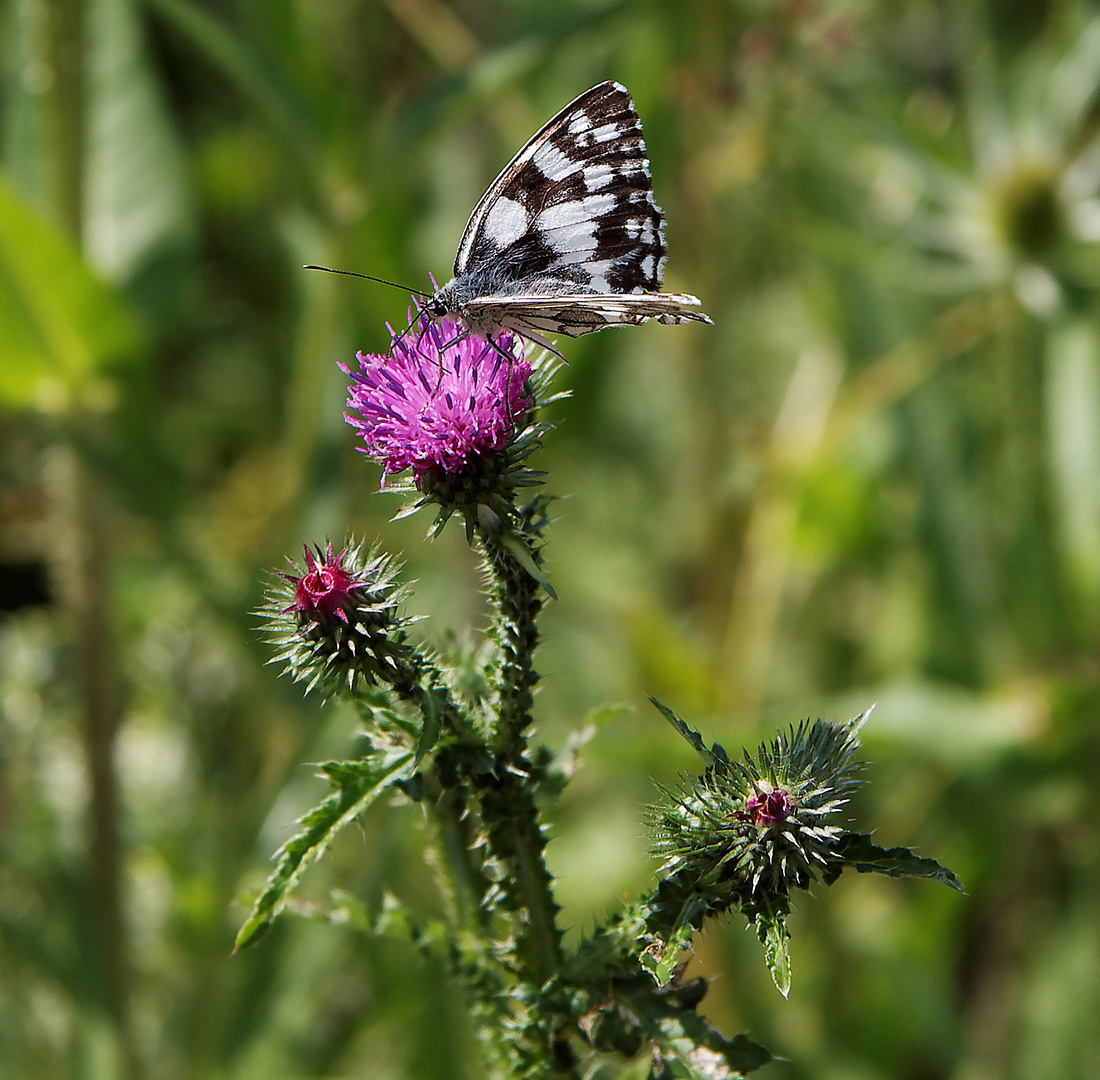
x,y
366,277
381,281
418,321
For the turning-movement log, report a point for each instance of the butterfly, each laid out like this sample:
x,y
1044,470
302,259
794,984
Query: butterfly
x,y
568,239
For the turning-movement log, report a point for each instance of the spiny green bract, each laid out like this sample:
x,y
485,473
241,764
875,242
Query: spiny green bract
x,y
760,826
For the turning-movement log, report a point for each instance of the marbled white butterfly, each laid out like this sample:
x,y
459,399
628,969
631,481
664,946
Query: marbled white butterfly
x,y
568,239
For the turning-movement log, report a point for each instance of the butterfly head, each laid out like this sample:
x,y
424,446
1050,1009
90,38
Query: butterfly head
x,y
436,305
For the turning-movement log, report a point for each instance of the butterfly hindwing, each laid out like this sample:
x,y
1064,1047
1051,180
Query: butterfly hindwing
x,y
578,314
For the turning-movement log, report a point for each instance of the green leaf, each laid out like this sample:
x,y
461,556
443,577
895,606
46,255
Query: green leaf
x,y
690,1047
692,1060
433,724
662,965
357,784
712,755
771,928
860,852
59,324
518,549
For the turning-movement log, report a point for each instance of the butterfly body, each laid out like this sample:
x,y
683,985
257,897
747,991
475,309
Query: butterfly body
x,y
568,238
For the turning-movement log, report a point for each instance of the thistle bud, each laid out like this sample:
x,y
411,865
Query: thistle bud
x,y
342,623
765,824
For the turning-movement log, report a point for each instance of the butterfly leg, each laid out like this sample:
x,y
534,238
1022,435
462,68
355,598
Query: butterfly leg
x,y
538,339
510,358
442,349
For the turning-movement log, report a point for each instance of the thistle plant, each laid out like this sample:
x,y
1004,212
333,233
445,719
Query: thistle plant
x,y
452,419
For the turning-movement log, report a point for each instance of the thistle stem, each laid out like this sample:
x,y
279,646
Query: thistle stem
x,y
508,805
518,599
466,881
81,546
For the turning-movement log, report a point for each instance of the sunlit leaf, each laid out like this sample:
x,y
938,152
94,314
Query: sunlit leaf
x,y
58,322
136,200
858,851
776,939
357,784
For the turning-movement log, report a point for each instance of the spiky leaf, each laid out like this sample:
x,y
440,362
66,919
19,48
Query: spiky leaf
x,y
689,1047
711,755
662,964
771,928
357,784
858,851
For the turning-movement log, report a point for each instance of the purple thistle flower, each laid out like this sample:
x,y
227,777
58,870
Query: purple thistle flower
x,y
439,400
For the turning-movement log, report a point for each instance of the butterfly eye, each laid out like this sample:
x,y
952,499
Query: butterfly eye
x,y
435,307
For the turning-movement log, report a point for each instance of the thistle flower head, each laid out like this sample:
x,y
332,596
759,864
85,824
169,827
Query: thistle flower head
x,y
769,805
439,401
456,410
342,623
765,824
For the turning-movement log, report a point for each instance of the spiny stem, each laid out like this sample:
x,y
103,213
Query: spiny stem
x,y
511,817
518,599
465,877
508,804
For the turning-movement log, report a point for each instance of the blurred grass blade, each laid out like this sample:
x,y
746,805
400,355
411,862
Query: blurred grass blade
x,y
247,71
59,323
1072,84
135,199
357,784
1073,421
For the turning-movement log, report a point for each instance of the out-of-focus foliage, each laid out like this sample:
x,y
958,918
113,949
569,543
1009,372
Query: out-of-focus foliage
x,y
877,478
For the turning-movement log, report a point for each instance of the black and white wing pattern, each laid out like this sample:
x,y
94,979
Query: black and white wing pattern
x,y
568,238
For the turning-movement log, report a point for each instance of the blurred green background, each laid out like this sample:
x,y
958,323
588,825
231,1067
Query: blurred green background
x,y
877,478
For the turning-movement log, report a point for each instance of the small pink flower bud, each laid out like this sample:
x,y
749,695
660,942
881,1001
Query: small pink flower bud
x,y
325,590
769,805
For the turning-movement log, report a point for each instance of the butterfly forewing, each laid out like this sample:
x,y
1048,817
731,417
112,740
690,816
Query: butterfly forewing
x,y
568,238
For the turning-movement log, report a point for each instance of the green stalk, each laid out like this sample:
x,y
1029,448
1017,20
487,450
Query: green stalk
x,y
80,551
508,803
518,599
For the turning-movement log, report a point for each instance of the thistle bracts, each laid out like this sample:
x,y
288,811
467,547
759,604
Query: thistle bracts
x,y
766,824
747,833
342,624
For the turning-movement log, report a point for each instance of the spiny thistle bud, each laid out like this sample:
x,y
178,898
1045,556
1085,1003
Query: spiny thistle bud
x,y
761,824
342,622
457,410
746,833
